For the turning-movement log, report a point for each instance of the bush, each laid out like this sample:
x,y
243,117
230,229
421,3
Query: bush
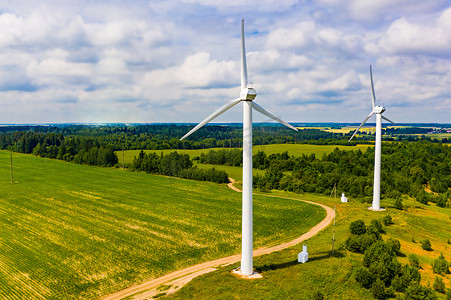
x,y
364,277
398,204
378,289
448,294
442,201
440,265
374,231
426,245
439,285
377,225
415,291
387,220
414,262
394,244
399,284
359,243
318,295
357,227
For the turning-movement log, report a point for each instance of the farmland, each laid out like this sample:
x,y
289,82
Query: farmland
x,y
75,231
293,149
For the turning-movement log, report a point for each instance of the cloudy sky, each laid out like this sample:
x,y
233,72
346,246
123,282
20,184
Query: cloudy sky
x,y
178,61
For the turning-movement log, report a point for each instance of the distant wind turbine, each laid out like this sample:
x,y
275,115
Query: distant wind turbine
x,y
247,95
377,110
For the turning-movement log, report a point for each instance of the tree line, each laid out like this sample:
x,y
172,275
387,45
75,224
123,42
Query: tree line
x,y
406,166
163,136
178,165
407,169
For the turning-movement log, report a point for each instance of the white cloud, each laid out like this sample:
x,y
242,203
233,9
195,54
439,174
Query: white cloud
x,y
177,61
256,5
415,38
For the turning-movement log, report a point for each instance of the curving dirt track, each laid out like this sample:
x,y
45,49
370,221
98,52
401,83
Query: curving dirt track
x,y
178,279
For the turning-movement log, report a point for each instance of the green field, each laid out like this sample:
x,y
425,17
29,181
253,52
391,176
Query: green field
x,y
300,149
293,149
285,278
72,231
234,172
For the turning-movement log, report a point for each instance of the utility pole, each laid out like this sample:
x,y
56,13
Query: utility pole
x,y
123,156
333,235
334,191
12,180
333,242
334,215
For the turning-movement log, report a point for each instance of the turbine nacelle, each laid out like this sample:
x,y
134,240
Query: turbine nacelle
x,y
378,109
248,94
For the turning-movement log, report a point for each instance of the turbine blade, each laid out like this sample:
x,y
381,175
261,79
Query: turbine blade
x,y
372,88
212,116
386,119
243,59
364,121
272,116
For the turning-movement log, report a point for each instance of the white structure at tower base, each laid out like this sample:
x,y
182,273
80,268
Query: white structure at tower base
x,y
343,198
303,256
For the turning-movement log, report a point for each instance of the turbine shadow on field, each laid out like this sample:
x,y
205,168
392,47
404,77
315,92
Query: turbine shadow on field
x,y
314,257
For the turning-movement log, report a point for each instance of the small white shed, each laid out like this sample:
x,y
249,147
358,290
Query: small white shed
x,y
343,198
303,256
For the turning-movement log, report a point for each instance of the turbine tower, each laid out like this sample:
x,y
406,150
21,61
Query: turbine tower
x,y
247,95
377,110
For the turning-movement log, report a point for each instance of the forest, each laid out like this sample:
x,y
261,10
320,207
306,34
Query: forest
x,y
409,167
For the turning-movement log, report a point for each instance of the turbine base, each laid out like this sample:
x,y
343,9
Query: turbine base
x,y
237,273
380,209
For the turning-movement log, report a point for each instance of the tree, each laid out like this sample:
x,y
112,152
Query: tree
x,y
415,291
398,203
442,201
378,289
414,262
439,285
394,244
364,277
426,245
440,265
387,220
357,227
377,225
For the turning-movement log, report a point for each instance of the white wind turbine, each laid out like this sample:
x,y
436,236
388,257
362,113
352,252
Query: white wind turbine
x,y
247,95
377,110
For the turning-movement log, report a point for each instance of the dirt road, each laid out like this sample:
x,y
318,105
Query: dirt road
x,y
178,279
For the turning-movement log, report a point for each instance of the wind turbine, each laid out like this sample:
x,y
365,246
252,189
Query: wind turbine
x,y
377,110
247,95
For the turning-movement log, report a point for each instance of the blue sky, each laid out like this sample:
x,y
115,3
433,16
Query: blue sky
x,y
178,61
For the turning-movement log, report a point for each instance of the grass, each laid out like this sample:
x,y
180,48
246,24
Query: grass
x,y
284,278
73,231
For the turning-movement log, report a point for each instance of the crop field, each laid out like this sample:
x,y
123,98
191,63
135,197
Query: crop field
x,y
72,231
300,149
333,276
293,149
